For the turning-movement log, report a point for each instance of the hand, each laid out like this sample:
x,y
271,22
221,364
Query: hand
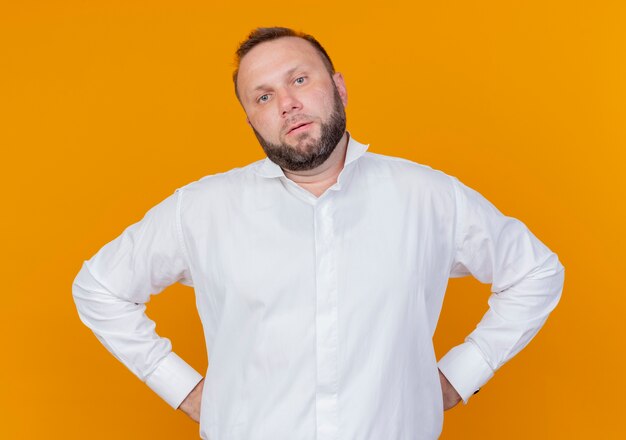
x,y
191,404
450,396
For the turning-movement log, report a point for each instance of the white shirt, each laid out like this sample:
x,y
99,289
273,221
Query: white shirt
x,y
319,313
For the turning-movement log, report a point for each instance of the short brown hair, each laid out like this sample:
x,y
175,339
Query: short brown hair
x,y
263,34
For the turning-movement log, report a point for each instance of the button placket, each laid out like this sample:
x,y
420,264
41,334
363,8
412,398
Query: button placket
x,y
326,323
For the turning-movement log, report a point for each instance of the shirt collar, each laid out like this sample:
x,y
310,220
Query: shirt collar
x,y
355,149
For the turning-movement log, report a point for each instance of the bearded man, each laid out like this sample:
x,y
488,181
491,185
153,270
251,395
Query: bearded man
x,y
319,274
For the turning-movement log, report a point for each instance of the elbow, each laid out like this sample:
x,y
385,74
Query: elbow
x,y
77,293
81,292
554,277
89,296
551,270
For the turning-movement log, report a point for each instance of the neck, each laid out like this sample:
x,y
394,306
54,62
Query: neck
x,y
319,179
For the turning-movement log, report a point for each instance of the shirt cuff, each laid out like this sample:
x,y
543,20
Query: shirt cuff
x,y
466,369
173,380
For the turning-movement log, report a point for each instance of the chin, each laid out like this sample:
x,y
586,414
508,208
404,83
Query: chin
x,y
305,143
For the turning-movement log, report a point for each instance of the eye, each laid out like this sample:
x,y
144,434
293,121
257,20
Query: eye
x,y
263,98
300,80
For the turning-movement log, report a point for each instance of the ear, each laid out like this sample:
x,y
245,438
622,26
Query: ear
x,y
341,87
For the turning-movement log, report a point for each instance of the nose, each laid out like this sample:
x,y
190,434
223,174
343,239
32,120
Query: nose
x,y
288,103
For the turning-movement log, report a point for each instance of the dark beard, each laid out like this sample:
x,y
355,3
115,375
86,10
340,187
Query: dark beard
x,y
312,154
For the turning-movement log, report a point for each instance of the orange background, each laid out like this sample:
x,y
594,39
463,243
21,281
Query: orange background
x,y
107,106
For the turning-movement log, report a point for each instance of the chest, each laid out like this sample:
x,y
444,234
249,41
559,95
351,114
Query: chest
x,y
277,250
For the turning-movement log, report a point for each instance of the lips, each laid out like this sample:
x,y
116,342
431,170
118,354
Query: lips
x,y
296,126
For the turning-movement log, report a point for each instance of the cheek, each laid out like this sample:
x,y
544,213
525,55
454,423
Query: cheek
x,y
265,125
321,101
321,98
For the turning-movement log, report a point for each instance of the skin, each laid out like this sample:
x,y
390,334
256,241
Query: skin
x,y
282,83
192,403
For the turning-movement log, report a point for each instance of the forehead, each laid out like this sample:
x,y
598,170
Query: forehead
x,y
273,58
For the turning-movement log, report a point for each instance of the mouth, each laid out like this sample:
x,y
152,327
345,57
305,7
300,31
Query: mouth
x,y
301,126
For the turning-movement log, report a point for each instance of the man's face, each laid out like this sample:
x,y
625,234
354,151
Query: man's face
x,y
293,104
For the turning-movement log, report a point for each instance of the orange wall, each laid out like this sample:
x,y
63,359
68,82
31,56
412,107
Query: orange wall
x,y
107,106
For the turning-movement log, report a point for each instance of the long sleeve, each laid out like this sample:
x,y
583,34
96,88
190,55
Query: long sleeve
x,y
526,284
111,289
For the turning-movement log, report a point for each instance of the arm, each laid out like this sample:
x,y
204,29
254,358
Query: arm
x,y
192,403
111,290
526,283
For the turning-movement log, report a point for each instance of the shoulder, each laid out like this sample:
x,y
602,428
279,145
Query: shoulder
x,y
229,180
404,171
